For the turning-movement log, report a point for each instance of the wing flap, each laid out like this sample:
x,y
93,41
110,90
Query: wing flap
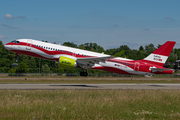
x,y
89,62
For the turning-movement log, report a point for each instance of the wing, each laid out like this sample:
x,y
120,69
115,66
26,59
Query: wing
x,y
159,69
89,62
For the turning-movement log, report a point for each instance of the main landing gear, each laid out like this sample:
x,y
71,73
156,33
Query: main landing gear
x,y
84,73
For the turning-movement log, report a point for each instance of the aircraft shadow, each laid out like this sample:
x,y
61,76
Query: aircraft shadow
x,y
76,86
157,85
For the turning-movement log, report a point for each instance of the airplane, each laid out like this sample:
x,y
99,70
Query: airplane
x,y
68,57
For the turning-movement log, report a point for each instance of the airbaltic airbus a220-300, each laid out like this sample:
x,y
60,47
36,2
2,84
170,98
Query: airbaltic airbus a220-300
x,y
68,57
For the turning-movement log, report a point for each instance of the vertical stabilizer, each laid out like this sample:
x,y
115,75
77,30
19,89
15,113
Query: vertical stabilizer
x,y
160,55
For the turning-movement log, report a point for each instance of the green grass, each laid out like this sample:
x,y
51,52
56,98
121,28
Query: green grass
x,y
89,104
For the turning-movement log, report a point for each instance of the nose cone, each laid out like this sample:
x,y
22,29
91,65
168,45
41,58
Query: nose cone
x,y
7,46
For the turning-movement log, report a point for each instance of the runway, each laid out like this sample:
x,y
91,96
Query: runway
x,y
148,86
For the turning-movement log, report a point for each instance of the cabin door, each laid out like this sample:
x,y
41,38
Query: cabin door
x,y
28,45
136,66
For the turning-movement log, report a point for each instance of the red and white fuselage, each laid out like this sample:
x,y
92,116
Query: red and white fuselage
x,y
153,64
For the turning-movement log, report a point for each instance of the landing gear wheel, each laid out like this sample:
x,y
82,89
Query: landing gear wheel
x,y
85,74
81,73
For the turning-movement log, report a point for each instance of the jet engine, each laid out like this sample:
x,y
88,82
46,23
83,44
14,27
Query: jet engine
x,y
67,62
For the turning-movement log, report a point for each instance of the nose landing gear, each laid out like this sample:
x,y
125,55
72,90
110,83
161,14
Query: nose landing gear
x,y
17,58
18,54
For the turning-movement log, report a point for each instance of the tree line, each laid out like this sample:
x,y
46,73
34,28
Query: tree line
x,y
28,64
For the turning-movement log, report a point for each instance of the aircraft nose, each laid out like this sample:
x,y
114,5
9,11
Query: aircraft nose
x,y
7,46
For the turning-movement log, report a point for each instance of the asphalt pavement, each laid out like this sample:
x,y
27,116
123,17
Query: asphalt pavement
x,y
153,86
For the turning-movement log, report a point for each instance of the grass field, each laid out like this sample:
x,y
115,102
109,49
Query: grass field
x,y
89,104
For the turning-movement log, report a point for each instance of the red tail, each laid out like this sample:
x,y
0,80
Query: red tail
x,y
160,55
165,49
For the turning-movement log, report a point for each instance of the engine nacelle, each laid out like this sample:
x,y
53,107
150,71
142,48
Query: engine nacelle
x,y
67,62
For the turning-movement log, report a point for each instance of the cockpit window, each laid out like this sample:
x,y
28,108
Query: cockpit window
x,y
13,41
17,42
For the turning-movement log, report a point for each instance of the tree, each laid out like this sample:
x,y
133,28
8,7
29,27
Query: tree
x,y
149,49
60,71
91,47
172,57
70,44
46,69
141,48
22,68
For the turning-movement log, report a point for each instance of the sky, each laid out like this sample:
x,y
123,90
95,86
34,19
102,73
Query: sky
x,y
109,23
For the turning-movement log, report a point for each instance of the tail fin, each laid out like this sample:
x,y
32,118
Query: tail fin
x,y
160,55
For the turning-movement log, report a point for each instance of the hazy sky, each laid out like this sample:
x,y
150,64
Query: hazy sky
x,y
109,23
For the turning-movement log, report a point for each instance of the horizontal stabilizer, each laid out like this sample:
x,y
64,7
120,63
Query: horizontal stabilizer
x,y
159,69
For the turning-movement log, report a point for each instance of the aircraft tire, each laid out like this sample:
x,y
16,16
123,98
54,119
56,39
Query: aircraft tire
x,y
83,74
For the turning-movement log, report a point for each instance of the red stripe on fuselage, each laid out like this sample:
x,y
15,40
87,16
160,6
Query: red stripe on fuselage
x,y
50,52
33,54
